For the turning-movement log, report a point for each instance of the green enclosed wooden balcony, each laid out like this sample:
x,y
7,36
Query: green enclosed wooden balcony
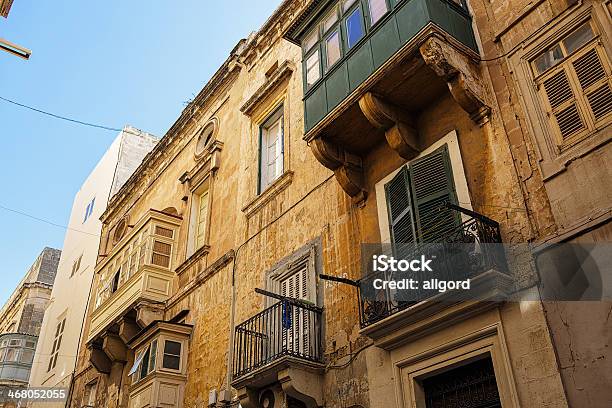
x,y
364,46
370,66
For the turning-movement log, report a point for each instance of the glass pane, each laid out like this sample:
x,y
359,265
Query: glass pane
x,y
347,4
172,362
311,40
313,72
549,59
172,347
578,38
330,20
354,27
378,8
333,48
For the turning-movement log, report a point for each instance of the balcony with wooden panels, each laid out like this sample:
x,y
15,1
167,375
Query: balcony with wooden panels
x,y
371,66
132,282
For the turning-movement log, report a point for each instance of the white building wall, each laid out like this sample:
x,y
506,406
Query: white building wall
x,y
71,292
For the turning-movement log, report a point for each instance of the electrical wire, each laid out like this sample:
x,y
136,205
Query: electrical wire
x,y
80,122
22,213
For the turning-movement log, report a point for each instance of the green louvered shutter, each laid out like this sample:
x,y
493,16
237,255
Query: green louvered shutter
x,y
432,185
399,207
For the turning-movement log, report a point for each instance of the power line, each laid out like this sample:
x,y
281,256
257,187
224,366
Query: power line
x,y
46,221
80,122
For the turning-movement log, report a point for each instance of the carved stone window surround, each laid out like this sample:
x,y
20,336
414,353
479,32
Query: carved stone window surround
x,y
551,160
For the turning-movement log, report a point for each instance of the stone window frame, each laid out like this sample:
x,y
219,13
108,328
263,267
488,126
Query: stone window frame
x,y
205,186
552,159
306,255
486,342
272,95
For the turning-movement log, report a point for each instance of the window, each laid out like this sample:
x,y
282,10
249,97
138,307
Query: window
x,y
313,70
161,254
354,28
415,199
333,50
574,81
378,8
271,152
205,138
116,281
76,265
144,363
172,355
89,210
202,218
59,332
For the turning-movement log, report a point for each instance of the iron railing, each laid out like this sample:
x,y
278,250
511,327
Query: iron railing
x,y
464,245
288,328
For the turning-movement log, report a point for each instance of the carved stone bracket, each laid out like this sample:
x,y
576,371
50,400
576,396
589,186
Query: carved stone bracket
x,y
400,131
147,313
347,167
99,359
115,348
302,385
461,75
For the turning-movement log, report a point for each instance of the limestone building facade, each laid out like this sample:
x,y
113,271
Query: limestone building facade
x,y
21,318
347,122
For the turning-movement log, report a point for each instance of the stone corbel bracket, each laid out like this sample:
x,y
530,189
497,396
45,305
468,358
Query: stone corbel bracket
x,y
399,127
461,75
347,167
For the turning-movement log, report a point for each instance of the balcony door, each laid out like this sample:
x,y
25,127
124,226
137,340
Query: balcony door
x,y
295,322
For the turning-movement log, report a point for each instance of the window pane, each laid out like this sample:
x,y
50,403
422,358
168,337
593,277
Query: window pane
x,y
172,347
578,38
330,20
333,48
313,71
354,27
549,59
347,4
310,41
172,355
378,8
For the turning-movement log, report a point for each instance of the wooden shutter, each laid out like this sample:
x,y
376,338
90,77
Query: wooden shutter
x,y
594,82
202,220
563,104
399,208
295,286
432,185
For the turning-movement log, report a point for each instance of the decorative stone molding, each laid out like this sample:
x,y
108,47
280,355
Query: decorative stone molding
x,y
282,73
347,167
209,162
461,75
440,311
399,127
265,197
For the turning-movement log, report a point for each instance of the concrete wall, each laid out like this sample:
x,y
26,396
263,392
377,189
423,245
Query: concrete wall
x,y
71,292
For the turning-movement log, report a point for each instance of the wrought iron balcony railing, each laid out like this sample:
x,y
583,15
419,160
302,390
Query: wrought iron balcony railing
x,y
288,328
462,250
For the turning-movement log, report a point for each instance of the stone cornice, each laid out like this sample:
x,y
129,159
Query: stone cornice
x,y
276,79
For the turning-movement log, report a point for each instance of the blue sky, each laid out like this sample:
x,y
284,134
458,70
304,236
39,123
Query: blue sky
x,y
109,62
